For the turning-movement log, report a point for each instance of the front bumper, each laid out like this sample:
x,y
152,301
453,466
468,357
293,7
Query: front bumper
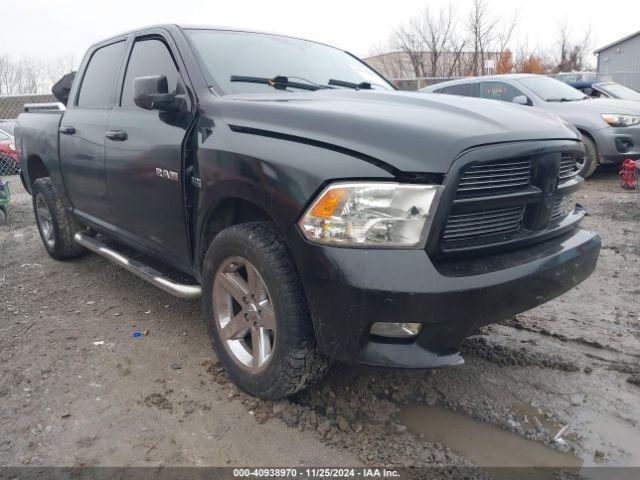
x,y
609,141
350,289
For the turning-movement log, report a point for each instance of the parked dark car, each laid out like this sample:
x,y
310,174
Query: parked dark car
x,y
321,214
607,90
610,128
9,164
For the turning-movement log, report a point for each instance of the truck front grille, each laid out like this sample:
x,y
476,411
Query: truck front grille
x,y
491,223
503,202
495,177
562,207
569,167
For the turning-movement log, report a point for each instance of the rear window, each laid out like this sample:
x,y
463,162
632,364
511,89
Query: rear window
x,y
620,91
100,76
499,91
465,90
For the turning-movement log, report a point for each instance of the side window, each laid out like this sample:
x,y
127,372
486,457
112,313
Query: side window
x,y
499,91
464,90
148,57
100,76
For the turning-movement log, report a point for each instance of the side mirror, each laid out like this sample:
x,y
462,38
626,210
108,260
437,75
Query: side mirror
x,y
152,93
521,100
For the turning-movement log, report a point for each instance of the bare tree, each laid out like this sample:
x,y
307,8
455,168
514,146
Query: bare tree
x,y
391,65
32,75
571,54
6,74
431,42
54,70
489,35
408,40
529,59
437,34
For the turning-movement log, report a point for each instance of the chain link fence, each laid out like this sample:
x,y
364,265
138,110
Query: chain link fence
x,y
9,166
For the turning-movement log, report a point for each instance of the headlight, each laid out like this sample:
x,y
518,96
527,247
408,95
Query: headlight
x,y
620,120
371,214
12,146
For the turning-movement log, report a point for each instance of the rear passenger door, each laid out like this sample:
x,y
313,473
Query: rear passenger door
x,y
144,165
82,133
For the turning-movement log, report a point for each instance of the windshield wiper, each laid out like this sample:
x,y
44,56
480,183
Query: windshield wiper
x,y
565,99
355,86
279,82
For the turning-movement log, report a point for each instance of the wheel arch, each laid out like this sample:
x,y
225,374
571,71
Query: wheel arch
x,y
586,133
36,169
225,213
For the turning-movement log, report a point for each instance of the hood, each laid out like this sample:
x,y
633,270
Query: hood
x,y
615,105
413,132
596,106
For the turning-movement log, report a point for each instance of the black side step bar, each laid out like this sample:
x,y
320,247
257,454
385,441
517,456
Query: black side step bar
x,y
143,271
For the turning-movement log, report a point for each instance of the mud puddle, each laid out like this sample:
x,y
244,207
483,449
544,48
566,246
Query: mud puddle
x,y
618,441
484,444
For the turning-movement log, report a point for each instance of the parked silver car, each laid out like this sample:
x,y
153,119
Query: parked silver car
x,y
610,128
607,90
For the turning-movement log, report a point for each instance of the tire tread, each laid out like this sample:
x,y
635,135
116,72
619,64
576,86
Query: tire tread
x,y
304,364
65,225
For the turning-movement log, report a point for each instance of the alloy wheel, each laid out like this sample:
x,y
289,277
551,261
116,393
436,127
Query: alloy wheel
x,y
43,217
244,314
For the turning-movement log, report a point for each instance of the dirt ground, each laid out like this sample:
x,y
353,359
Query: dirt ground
x,y
77,389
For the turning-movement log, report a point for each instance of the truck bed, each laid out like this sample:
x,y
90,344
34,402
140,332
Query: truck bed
x,y
36,136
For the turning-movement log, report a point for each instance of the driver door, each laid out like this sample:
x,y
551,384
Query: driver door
x,y
144,151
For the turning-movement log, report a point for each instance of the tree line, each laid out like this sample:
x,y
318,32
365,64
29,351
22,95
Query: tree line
x,y
32,75
449,42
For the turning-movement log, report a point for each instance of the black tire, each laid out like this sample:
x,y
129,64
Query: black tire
x,y
64,226
295,362
591,158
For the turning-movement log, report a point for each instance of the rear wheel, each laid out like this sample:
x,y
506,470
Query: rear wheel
x,y
257,315
56,226
590,162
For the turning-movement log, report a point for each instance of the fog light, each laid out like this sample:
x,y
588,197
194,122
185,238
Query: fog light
x,y
395,330
624,145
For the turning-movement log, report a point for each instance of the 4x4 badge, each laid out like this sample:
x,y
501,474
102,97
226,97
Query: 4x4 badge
x,y
168,174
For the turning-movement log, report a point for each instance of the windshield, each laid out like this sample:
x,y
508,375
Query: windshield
x,y
225,54
619,91
552,90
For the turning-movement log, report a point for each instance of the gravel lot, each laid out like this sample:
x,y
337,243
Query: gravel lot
x,y
162,399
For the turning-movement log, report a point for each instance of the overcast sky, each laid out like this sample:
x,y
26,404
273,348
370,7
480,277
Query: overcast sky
x,y
46,29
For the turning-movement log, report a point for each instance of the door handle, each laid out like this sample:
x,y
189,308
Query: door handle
x,y
116,135
67,130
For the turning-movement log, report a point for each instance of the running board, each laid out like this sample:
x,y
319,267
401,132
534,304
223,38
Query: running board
x,y
143,271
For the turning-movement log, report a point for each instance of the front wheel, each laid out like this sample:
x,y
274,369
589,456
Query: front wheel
x,y
257,315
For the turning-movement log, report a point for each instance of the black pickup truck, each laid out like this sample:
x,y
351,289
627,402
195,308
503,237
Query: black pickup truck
x,y
319,213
